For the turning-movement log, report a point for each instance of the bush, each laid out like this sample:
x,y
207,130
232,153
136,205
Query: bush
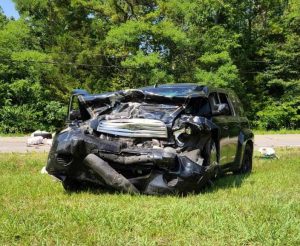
x,y
279,115
27,118
16,119
54,115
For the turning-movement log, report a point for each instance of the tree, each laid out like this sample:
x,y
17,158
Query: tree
x,y
249,46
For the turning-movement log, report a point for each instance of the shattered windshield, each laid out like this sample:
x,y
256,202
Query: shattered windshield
x,y
170,91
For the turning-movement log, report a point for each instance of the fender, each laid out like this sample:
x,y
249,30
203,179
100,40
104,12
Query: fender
x,y
245,136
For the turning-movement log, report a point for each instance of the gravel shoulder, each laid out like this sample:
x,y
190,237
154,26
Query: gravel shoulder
x,y
19,144
277,140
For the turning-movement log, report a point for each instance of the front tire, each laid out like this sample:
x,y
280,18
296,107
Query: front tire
x,y
213,158
210,156
209,153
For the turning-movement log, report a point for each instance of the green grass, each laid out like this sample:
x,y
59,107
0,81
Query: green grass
x,y
261,209
14,134
282,131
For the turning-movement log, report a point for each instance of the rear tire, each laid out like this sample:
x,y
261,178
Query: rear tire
x,y
246,166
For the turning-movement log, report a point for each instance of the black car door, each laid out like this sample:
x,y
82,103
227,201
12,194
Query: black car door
x,y
234,127
221,122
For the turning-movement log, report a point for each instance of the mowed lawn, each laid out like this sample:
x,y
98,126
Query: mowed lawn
x,y
261,209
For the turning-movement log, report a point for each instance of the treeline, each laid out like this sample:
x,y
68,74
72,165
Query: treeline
x,y
250,46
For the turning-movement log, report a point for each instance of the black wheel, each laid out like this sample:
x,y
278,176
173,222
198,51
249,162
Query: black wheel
x,y
210,153
246,166
213,159
210,161
71,185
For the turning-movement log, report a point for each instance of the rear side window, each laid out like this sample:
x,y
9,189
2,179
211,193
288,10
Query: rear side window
x,y
238,107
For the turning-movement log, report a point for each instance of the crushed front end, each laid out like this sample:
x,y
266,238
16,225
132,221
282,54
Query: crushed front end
x,y
135,142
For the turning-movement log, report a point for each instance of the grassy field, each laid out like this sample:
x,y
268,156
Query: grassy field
x,y
15,134
261,209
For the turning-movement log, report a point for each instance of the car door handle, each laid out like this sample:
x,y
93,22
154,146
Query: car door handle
x,y
225,127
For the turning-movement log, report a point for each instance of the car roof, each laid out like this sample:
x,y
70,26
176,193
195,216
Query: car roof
x,y
201,90
196,87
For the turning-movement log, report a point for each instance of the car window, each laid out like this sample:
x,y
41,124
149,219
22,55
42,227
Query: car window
x,y
224,100
214,101
170,91
237,105
204,109
199,107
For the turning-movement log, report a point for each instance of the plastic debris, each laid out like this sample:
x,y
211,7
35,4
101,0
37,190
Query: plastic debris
x,y
35,140
40,137
43,134
47,141
44,171
267,152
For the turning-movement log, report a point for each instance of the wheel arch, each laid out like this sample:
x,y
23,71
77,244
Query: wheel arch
x,y
215,136
245,138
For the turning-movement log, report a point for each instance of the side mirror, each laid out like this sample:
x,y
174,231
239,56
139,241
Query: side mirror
x,y
222,109
74,115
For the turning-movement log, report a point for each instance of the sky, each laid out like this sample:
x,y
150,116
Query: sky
x,y
9,8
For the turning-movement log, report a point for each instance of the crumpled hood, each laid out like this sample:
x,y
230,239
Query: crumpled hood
x,y
136,113
135,103
134,110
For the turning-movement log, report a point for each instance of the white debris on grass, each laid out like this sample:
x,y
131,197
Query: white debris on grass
x,y
35,140
39,137
44,171
267,152
47,141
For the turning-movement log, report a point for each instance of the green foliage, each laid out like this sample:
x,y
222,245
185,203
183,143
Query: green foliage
x,y
217,69
280,115
22,118
28,118
54,115
252,47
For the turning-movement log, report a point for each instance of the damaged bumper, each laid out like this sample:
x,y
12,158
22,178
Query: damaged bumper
x,y
110,164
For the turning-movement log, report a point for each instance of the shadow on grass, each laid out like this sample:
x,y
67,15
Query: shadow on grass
x,y
93,189
228,180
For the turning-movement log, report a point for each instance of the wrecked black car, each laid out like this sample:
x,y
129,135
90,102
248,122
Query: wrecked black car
x,y
165,139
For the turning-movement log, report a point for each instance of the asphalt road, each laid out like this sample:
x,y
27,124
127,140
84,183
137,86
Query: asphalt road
x,y
277,140
18,144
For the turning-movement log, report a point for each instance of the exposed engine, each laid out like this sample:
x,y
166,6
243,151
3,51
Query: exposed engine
x,y
140,137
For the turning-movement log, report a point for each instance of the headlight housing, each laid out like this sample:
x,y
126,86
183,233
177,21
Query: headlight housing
x,y
182,134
